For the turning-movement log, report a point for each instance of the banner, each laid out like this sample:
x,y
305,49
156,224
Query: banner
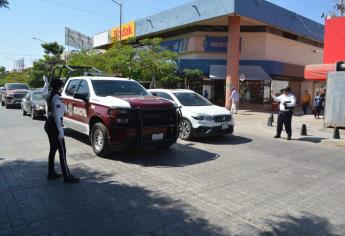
x,y
216,44
178,45
127,31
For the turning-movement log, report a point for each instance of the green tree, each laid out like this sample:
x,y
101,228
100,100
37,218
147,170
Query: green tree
x,y
16,77
143,61
45,65
193,79
2,72
4,3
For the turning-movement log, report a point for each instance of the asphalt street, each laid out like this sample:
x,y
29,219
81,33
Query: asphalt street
x,y
245,184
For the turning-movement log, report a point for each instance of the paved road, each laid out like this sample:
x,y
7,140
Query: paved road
x,y
247,184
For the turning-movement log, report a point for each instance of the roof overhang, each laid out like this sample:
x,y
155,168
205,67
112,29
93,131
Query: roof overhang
x,y
318,71
203,10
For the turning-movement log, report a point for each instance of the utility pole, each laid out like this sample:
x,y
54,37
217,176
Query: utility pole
x,y
120,5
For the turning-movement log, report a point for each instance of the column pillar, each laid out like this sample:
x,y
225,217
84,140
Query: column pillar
x,y
233,58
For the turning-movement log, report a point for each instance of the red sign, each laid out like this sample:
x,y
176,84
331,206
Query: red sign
x,y
334,40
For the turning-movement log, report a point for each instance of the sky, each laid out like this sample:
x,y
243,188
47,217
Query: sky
x,y
47,19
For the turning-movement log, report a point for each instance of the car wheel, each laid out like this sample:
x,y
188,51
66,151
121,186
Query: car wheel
x,y
2,103
24,112
99,140
6,105
33,114
185,129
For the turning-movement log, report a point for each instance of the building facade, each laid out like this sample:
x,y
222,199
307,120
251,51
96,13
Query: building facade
x,y
252,45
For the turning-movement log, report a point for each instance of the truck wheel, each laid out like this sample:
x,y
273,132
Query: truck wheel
x,y
185,129
99,140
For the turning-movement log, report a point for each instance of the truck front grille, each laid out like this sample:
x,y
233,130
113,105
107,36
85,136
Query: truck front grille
x,y
19,95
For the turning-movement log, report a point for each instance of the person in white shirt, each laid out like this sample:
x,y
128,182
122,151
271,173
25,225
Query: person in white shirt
x,y
54,129
287,103
235,98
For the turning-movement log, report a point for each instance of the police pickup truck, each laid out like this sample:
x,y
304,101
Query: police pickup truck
x,y
118,113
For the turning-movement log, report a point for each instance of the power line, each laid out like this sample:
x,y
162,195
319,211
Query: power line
x,y
76,8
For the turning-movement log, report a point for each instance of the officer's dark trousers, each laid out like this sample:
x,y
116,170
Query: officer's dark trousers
x,y
56,144
284,118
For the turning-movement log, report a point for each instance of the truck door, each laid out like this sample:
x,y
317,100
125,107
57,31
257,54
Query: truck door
x,y
71,88
81,107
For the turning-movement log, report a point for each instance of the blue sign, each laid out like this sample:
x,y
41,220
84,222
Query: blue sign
x,y
177,45
216,44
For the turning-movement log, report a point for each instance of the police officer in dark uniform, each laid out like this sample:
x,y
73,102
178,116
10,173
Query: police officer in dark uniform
x,y
54,129
287,102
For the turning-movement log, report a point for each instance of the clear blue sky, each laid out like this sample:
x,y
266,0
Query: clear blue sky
x,y
46,19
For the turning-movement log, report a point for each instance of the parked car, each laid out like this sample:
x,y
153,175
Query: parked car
x,y
2,91
34,104
14,92
118,113
200,117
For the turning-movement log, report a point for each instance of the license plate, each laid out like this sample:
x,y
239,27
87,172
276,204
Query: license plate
x,y
225,126
156,137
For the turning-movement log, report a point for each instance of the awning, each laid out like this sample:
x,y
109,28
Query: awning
x,y
251,73
318,71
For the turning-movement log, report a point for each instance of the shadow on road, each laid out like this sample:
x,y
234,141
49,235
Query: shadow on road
x,y
77,136
307,224
95,206
311,139
177,156
222,140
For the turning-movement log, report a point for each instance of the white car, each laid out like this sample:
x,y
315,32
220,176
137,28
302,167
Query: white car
x,y
200,118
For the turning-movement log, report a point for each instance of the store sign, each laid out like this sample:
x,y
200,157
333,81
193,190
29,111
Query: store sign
x,y
127,31
178,45
216,44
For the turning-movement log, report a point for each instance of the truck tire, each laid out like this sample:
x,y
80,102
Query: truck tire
x,y
185,129
99,140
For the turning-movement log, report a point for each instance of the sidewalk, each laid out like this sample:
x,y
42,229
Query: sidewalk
x,y
316,132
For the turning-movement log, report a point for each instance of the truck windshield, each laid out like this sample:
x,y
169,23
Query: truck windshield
x,y
192,99
17,86
105,88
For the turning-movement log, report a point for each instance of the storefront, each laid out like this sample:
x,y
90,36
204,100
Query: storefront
x,y
235,43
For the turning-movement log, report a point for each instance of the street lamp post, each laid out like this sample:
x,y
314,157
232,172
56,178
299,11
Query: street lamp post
x,y
39,39
120,5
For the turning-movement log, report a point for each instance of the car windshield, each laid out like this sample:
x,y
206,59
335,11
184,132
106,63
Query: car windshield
x,y
192,99
37,96
105,88
17,86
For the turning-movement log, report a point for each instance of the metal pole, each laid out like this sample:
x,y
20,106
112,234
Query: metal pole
x,y
120,5
120,23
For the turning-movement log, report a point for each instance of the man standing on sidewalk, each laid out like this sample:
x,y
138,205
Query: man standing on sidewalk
x,y
306,102
287,102
235,98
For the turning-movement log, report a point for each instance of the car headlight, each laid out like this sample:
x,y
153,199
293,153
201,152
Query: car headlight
x,y
202,117
39,107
